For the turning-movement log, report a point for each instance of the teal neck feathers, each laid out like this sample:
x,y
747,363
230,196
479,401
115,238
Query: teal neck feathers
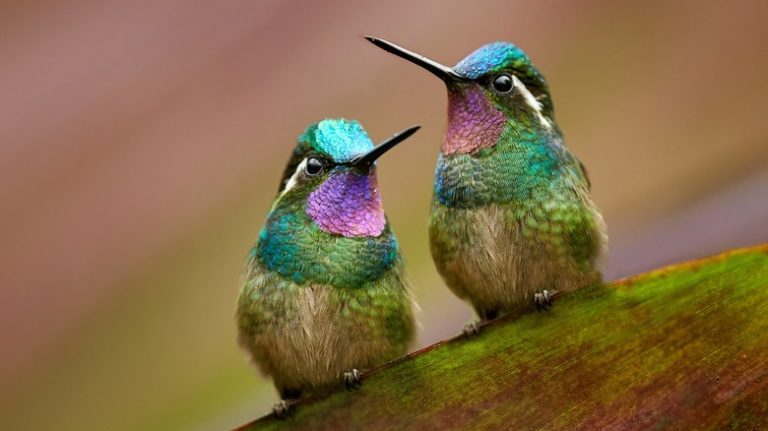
x,y
294,246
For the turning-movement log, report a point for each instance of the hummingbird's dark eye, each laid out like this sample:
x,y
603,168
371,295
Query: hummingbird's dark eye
x,y
314,166
502,84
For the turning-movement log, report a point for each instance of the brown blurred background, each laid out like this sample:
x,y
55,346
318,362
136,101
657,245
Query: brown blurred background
x,y
141,145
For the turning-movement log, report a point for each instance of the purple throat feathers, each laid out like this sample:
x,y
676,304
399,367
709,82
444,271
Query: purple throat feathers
x,y
348,204
473,122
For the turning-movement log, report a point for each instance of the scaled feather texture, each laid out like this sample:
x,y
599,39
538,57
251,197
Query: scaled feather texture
x,y
324,291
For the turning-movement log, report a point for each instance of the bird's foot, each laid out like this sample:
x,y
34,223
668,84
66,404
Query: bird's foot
x,y
543,300
471,329
352,379
281,409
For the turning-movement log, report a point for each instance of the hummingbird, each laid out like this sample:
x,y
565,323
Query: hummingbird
x,y
512,217
324,294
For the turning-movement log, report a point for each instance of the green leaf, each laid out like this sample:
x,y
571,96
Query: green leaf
x,y
684,347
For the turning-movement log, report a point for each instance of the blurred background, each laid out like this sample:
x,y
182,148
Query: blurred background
x,y
141,144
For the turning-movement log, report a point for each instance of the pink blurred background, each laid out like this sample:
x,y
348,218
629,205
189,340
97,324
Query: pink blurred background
x,y
142,143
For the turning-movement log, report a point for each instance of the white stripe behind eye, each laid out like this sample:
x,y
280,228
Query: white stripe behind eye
x,y
294,178
531,101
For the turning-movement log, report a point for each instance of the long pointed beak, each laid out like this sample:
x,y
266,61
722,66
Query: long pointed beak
x,y
443,72
367,159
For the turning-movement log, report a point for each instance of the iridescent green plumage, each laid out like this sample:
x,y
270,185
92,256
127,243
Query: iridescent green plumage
x,y
528,224
324,291
512,213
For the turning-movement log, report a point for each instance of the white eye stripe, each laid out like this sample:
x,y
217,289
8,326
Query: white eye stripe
x,y
527,95
531,101
295,177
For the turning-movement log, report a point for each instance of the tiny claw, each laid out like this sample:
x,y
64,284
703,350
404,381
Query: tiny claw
x,y
543,300
281,409
352,379
470,329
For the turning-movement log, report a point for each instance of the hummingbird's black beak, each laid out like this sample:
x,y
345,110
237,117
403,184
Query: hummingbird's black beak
x,y
443,72
366,160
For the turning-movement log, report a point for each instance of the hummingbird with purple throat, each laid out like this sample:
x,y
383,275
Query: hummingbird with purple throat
x,y
324,293
512,219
